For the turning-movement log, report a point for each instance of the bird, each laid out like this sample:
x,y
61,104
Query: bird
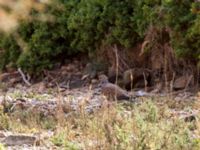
x,y
112,91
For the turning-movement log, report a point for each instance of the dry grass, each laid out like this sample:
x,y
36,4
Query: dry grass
x,y
147,125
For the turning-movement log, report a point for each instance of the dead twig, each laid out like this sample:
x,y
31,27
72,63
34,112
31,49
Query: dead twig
x,y
24,77
117,64
145,81
144,44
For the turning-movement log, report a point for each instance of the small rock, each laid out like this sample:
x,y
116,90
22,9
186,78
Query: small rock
x,y
2,135
94,81
40,87
93,74
19,86
76,62
135,77
90,70
64,72
13,140
181,82
112,75
141,93
78,83
50,85
78,73
63,68
15,80
70,68
4,76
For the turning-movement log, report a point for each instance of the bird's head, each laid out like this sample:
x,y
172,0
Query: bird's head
x,y
103,79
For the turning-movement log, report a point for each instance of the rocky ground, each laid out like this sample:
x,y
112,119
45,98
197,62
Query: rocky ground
x,y
67,91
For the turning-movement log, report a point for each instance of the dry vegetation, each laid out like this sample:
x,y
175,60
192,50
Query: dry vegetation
x,y
150,123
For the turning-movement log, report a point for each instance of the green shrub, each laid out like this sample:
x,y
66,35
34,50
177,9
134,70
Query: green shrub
x,y
10,50
184,24
97,21
43,41
60,140
84,25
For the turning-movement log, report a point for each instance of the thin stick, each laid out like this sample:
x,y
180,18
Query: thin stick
x,y
117,65
24,77
145,82
131,76
188,82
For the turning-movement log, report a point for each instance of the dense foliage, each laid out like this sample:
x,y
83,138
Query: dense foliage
x,y
84,25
